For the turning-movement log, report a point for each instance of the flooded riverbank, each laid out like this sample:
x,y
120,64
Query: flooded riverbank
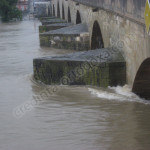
x,y
73,118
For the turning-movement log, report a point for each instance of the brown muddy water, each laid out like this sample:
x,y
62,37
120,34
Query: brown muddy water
x,y
72,118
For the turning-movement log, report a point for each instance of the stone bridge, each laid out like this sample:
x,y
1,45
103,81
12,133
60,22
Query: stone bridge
x,y
114,24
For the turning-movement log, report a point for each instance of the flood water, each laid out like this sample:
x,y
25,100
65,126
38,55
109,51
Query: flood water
x,y
71,118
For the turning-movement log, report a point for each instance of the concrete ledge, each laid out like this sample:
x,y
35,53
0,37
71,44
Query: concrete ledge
x,y
46,28
75,37
101,67
47,18
52,21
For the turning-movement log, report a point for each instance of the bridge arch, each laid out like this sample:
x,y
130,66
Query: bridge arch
x,y
78,18
53,10
58,10
141,85
63,11
69,15
97,39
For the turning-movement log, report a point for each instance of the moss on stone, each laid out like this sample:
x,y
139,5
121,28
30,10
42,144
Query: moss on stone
x,y
82,68
51,72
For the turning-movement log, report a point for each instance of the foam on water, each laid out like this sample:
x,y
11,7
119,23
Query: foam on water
x,y
118,93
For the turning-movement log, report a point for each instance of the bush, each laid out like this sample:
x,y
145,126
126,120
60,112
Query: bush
x,y
8,10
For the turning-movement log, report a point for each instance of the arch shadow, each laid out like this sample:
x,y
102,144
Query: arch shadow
x,y
63,12
53,10
78,18
141,85
69,15
58,10
97,39
49,13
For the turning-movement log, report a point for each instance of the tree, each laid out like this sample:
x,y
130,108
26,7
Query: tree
x,y
8,10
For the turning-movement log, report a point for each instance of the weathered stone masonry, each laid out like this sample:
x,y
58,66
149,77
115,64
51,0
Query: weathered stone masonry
x,y
101,67
74,38
121,23
116,25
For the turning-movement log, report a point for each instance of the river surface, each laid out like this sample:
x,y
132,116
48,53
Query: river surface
x,y
71,118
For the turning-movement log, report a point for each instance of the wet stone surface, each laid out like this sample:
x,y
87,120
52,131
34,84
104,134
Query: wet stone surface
x,y
46,28
52,21
72,30
101,67
104,55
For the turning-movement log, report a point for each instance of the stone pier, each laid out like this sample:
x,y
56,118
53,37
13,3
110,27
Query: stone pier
x,y
101,67
46,28
74,37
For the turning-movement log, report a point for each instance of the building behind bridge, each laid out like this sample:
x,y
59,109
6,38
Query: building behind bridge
x,y
23,5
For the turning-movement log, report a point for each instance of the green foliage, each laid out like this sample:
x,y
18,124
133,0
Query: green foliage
x,y
8,10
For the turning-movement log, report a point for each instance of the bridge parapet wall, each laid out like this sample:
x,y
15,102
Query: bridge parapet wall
x,y
132,9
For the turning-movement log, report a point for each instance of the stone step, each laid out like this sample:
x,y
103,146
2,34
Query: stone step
x,y
53,21
46,28
101,67
75,37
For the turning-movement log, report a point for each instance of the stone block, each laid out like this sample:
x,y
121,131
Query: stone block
x,y
82,68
